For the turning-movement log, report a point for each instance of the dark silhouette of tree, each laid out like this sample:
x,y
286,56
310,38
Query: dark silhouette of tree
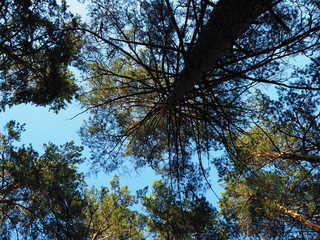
x,y
169,80
35,52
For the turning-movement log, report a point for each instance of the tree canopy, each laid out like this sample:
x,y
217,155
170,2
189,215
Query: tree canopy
x,y
187,218
273,191
172,82
44,197
36,50
137,56
181,86
40,195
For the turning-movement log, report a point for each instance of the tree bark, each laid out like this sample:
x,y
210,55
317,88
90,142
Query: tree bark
x,y
290,156
299,218
228,20
306,158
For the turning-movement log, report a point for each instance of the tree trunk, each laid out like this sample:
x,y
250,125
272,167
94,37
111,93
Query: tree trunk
x,y
299,218
307,158
228,20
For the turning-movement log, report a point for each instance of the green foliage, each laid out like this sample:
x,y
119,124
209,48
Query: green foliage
x,y
44,196
272,189
123,125
108,214
40,195
120,119
152,106
36,50
171,218
136,56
